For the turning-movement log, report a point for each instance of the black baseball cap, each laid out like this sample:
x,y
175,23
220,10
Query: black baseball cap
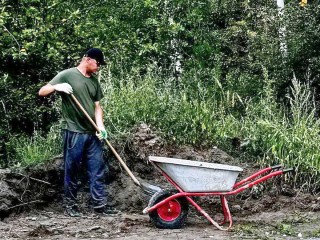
x,y
96,54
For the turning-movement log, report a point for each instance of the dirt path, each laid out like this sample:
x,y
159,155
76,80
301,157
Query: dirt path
x,y
51,223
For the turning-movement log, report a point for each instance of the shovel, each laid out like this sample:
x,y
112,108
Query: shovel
x,y
147,188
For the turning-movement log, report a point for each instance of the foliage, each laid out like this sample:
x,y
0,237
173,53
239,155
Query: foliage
x,y
39,38
183,113
202,72
25,151
272,133
286,134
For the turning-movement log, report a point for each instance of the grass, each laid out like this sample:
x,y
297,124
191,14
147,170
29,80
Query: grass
x,y
183,113
189,111
287,135
26,151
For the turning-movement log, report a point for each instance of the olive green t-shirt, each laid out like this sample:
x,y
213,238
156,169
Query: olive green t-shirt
x,y
87,90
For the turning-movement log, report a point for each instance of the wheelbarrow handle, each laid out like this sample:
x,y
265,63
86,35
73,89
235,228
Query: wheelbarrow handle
x,y
276,167
288,170
258,174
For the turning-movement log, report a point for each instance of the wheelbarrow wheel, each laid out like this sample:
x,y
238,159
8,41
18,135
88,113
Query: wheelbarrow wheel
x,y
172,214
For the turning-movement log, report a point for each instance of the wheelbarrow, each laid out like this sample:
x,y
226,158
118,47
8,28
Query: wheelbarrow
x,y
169,208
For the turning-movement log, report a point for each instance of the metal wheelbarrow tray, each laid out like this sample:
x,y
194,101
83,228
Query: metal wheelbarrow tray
x,y
169,208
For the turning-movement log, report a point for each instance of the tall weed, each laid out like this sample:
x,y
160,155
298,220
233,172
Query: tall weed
x,y
192,111
182,112
287,135
27,151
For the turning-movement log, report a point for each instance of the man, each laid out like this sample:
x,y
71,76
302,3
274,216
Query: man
x,y
82,144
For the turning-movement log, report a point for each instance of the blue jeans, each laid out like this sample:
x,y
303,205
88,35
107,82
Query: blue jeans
x,y
86,149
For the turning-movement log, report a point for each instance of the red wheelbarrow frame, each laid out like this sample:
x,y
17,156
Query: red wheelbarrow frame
x,y
237,188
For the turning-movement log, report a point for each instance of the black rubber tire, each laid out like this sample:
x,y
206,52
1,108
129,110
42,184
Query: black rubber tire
x,y
161,223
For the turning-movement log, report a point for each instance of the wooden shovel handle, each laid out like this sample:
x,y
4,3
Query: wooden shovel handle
x,y
107,142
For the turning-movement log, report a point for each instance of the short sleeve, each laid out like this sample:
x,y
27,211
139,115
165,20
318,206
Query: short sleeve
x,y
59,78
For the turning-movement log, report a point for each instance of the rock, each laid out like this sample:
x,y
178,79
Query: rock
x,y
236,207
4,171
7,196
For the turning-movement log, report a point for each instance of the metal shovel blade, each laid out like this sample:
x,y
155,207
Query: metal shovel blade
x,y
149,189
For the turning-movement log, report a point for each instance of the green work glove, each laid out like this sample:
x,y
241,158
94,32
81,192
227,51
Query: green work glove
x,y
102,134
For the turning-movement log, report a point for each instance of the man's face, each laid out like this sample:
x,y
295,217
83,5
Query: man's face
x,y
92,65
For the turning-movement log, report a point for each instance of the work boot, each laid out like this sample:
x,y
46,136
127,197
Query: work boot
x,y
73,211
106,210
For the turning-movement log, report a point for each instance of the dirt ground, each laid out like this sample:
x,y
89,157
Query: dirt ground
x,y
31,201
50,223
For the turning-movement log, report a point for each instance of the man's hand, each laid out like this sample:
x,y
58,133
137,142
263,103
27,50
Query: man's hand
x,y
63,87
102,134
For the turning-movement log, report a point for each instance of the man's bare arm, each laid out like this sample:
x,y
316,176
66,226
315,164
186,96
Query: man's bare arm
x,y
49,89
46,90
99,115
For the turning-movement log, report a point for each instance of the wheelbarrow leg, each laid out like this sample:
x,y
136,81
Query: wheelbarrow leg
x,y
206,215
226,211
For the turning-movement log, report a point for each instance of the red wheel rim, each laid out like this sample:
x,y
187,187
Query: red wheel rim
x,y
170,210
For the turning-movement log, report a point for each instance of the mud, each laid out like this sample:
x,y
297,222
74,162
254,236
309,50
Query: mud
x,y
31,205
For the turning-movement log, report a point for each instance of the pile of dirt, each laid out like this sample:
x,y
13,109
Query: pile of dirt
x,y
143,143
22,189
